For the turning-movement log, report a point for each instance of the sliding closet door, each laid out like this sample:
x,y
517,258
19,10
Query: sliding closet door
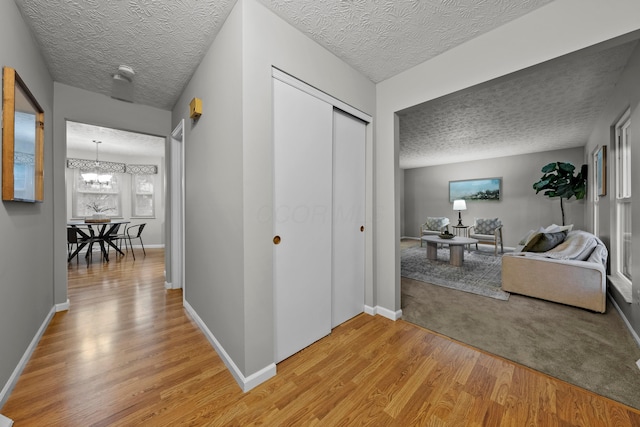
x,y
302,218
349,136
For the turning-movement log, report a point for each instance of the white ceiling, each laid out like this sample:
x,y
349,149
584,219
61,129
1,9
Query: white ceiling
x,y
80,136
84,42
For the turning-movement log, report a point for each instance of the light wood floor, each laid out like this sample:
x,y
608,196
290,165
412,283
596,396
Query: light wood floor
x,y
127,354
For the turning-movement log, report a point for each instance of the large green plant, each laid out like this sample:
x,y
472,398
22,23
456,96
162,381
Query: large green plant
x,y
560,180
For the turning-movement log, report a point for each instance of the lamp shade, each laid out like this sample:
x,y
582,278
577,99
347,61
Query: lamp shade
x,y
459,205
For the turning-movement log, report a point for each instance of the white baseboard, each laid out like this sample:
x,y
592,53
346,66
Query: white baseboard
x,y
148,246
13,379
5,422
169,285
246,383
624,318
63,306
384,312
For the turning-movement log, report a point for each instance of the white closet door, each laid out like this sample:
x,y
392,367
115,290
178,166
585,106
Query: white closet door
x,y
302,218
348,217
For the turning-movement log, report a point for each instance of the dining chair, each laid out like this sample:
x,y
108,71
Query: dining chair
x,y
72,240
76,238
116,237
135,232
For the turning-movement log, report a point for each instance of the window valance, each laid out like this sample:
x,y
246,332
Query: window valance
x,y
88,165
142,169
113,167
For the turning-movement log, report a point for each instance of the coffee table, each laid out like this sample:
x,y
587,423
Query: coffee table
x,y
456,248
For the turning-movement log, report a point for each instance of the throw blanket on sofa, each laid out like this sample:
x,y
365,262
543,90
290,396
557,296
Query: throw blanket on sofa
x,y
579,245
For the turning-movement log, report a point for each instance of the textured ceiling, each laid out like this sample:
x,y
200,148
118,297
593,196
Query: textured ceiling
x,y
80,137
84,42
547,107
382,38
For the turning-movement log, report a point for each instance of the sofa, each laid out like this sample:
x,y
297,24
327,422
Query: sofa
x,y
563,266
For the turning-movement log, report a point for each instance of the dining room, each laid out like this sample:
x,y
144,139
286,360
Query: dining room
x,y
115,197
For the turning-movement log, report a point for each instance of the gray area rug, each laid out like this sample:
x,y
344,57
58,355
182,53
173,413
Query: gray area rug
x,y
480,273
591,350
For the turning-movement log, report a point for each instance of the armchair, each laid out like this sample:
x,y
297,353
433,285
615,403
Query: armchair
x,y
433,226
487,230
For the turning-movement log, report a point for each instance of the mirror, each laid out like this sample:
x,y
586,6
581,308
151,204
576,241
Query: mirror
x,y
22,141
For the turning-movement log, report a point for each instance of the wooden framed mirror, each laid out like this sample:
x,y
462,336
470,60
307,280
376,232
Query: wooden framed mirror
x,y
22,141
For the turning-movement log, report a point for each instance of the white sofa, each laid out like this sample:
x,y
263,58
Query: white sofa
x,y
573,273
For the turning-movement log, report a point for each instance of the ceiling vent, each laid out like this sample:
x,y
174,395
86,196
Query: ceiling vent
x,y
122,84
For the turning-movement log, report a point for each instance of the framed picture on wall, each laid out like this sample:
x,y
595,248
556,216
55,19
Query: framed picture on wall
x,y
601,171
475,189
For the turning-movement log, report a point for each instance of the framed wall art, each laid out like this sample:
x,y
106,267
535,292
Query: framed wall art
x,y
475,189
601,171
22,141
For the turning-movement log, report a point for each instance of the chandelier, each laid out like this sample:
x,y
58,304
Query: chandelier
x,y
96,177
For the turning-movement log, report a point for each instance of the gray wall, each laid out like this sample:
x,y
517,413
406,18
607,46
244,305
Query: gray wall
x,y
229,169
426,193
626,95
214,264
87,107
26,267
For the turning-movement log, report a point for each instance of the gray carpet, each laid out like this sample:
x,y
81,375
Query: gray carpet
x,y
479,274
591,350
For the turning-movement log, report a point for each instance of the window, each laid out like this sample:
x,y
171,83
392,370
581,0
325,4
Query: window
x,y
622,245
594,192
96,198
143,202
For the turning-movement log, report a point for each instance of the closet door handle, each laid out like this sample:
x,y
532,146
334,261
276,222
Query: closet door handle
x,y
276,240
362,228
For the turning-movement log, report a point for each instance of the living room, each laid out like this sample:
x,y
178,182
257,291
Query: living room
x,y
519,207
425,192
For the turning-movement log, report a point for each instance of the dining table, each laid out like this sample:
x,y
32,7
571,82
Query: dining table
x,y
91,232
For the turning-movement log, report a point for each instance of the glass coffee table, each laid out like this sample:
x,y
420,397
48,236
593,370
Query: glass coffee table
x,y
456,247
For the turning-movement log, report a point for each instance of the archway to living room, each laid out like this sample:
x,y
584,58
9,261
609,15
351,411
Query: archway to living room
x,y
517,124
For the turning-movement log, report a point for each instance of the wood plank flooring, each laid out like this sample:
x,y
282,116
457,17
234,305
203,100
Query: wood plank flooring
x,y
126,353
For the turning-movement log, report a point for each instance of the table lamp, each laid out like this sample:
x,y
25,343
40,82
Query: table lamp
x,y
459,205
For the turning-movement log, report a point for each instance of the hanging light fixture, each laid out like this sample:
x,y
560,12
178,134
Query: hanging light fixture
x,y
96,177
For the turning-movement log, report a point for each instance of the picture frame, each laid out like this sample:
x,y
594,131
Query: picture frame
x,y
22,141
601,171
483,189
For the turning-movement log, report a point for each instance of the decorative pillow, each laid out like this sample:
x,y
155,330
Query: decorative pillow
x,y
486,225
554,228
436,223
543,242
529,235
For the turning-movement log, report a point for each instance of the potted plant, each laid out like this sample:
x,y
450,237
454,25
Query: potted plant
x,y
99,211
560,180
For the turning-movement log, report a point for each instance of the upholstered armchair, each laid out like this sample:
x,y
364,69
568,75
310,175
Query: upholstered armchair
x,y
487,230
433,226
